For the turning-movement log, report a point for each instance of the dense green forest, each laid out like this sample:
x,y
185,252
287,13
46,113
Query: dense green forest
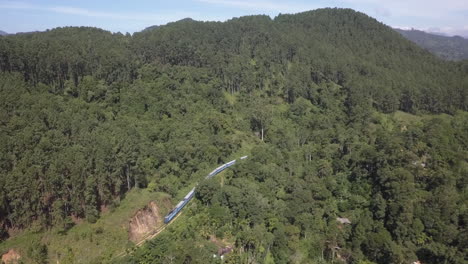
x,y
450,48
340,115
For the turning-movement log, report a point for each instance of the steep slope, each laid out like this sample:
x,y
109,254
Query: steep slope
x,y
342,116
333,44
86,242
448,48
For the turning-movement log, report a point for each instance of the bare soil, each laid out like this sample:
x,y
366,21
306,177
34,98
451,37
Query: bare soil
x,y
144,221
11,257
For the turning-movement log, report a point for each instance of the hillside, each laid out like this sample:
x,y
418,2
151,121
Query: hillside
x,y
85,242
3,33
448,48
340,115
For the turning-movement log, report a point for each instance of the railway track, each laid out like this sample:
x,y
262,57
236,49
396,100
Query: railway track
x,y
178,211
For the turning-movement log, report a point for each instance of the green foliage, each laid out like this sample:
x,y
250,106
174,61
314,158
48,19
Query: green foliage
x,y
37,252
341,116
86,242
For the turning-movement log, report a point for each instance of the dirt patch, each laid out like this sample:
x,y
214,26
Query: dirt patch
x,y
104,208
11,257
144,221
76,220
224,247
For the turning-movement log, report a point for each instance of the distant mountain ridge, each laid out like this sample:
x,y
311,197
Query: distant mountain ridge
x,y
449,48
3,33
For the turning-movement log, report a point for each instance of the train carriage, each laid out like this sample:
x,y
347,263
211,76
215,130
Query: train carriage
x,y
190,195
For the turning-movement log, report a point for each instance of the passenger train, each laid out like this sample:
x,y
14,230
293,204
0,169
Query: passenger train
x,y
190,195
179,206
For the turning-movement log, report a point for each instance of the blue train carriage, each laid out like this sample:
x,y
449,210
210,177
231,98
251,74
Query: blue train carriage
x,y
220,169
223,167
189,195
216,171
229,164
179,206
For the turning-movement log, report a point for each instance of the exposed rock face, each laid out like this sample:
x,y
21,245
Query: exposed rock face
x,y
11,257
143,222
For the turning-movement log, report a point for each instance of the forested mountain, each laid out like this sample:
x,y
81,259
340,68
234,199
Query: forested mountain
x,y
340,116
448,48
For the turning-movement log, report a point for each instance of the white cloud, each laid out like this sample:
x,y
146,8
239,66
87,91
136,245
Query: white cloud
x,y
15,5
114,21
451,31
445,31
68,10
259,5
381,11
414,8
449,16
446,4
81,12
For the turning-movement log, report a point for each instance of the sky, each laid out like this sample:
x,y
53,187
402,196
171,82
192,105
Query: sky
x,y
448,16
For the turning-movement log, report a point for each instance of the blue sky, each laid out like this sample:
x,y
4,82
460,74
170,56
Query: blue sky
x,y
448,16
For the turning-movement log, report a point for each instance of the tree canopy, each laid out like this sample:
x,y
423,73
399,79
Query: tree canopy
x,y
340,116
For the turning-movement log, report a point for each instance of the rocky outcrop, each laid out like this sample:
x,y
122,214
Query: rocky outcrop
x,y
11,257
143,222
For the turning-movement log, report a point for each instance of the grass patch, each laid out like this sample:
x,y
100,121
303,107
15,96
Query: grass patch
x,y
406,118
230,98
91,243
